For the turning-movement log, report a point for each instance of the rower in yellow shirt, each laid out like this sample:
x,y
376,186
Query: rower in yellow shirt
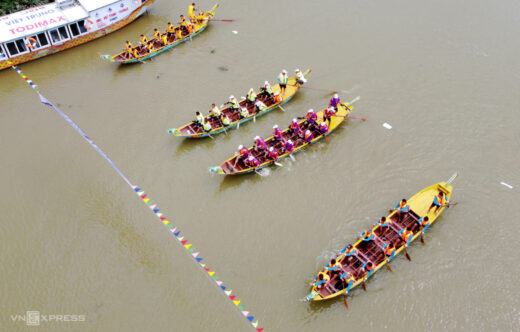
x,y
191,12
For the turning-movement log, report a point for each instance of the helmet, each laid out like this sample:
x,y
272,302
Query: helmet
x,y
323,123
257,137
336,95
289,141
266,83
284,71
275,126
276,93
251,90
294,120
240,146
297,70
271,148
308,131
251,157
310,111
231,97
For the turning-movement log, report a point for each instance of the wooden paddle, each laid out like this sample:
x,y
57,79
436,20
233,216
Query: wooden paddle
x,y
345,300
406,253
222,20
388,267
280,106
357,118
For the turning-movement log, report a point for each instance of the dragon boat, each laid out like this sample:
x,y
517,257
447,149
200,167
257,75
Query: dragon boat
x,y
191,130
157,46
372,251
233,166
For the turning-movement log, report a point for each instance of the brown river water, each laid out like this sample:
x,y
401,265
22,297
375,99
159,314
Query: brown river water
x,y
74,239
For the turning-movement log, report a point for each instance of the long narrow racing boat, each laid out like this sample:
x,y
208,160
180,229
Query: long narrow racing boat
x,y
372,250
233,166
157,46
191,130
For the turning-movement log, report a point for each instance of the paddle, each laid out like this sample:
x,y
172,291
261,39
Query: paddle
x,y
292,157
363,285
278,164
389,268
345,300
223,20
280,106
357,118
406,253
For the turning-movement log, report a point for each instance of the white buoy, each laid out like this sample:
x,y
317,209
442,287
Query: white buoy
x,y
507,185
235,32
387,126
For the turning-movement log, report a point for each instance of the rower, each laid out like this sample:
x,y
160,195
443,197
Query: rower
x,y
439,201
143,41
424,222
283,80
190,27
383,222
260,106
266,90
389,251
368,267
308,136
170,30
260,144
349,250
278,134
251,96
191,11
367,235
406,235
242,154
311,116
253,162
288,147
207,126
183,21
402,209
244,113
323,128
156,34
199,122
300,78
348,279
225,120
334,102
178,33
333,267
321,279
328,113
277,97
294,127
164,39
234,103
129,47
135,53
272,154
215,111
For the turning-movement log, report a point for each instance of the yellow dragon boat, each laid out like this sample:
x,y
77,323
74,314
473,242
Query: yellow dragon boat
x,y
372,251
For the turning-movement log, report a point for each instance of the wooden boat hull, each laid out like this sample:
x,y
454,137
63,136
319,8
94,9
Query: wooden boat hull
x,y
291,90
343,111
419,204
199,27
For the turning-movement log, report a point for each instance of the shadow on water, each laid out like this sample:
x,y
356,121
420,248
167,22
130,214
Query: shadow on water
x,y
188,144
232,181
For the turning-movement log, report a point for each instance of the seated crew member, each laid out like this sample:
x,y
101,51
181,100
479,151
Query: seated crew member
x,y
225,120
348,280
406,235
170,30
260,107
252,162
300,78
272,154
242,154
328,113
402,209
199,120
266,90
215,112
294,127
278,134
439,201
369,268
308,136
334,102
277,97
367,235
244,113
349,250
129,48
323,128
288,147
383,222
389,251
321,279
260,145
424,222
207,126
234,103
251,97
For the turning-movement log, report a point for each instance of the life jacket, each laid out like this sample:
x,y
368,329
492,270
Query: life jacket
x,y
312,117
439,201
403,206
334,102
157,34
135,53
278,99
190,28
253,162
207,126
283,79
244,113
165,39
369,268
350,277
389,251
278,134
288,147
129,46
260,144
225,121
308,136
350,251
183,21
295,126
200,119
261,106
243,152
215,110
323,128
171,28
144,40
273,154
251,96
179,34
406,234
387,221
424,222
329,112
234,103
268,89
325,276
367,235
